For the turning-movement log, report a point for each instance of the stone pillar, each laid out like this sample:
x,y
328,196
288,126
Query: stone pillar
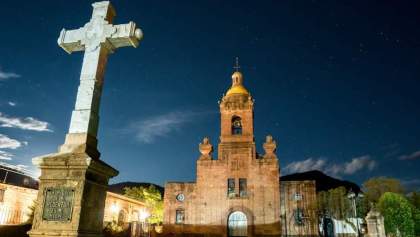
x,y
375,224
71,197
73,182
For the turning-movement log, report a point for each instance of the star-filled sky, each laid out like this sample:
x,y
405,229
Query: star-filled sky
x,y
337,84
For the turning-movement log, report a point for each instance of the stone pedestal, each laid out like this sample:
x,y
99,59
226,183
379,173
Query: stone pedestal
x,y
375,224
71,197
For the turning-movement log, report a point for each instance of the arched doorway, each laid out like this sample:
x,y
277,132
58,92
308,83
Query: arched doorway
x,y
237,224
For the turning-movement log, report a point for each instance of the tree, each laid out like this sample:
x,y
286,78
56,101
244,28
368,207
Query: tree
x,y
374,188
416,219
152,198
414,199
334,202
397,212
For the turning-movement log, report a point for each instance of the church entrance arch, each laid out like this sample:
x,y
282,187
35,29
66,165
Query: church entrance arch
x,y
237,224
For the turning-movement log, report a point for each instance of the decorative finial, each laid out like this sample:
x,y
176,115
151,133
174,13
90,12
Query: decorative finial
x,y
269,147
205,149
236,67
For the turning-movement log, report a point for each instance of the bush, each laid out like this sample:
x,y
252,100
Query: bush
x,y
397,212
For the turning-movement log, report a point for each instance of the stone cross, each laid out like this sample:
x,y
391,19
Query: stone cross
x,y
97,38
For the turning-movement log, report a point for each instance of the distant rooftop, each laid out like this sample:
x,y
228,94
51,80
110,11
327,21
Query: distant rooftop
x,y
16,175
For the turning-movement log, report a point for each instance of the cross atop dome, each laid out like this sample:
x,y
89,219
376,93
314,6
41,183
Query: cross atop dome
x,y
236,67
237,81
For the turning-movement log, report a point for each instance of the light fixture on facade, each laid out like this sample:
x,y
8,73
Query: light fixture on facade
x,y
143,215
114,208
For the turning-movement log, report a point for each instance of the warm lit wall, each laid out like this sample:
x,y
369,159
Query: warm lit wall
x,y
16,202
207,205
306,202
117,205
14,208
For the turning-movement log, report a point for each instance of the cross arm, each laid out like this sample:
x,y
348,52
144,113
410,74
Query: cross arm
x,y
70,40
126,35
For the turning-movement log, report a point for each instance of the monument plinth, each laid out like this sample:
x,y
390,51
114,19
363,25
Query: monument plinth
x,y
74,181
375,223
72,195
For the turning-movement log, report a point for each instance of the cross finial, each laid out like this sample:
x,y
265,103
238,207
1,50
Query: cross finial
x,y
236,67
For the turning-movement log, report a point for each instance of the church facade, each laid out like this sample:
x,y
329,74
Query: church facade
x,y
237,193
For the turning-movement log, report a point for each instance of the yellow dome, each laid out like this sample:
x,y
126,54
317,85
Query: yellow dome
x,y
237,76
237,89
237,86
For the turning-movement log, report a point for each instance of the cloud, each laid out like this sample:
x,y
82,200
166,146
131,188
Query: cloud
x,y
7,75
9,143
11,103
5,155
148,130
413,156
347,168
358,163
28,123
305,165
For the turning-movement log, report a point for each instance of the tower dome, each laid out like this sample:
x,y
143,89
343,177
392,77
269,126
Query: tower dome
x,y
237,85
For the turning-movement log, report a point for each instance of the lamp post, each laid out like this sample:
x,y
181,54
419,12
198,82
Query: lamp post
x,y
353,196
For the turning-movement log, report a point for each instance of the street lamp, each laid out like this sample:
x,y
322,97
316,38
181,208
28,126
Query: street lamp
x,y
353,196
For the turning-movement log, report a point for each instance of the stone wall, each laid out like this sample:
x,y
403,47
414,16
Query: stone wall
x,y
295,196
207,204
15,202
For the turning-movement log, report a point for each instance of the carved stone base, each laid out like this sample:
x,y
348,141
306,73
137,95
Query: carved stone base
x,y
71,197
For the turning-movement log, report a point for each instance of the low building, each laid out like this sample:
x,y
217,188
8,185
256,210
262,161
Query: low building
x,y
15,203
19,191
298,208
122,209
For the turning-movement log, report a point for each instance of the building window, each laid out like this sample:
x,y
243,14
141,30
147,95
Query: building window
x,y
242,187
299,217
236,125
231,188
180,216
2,191
122,217
297,196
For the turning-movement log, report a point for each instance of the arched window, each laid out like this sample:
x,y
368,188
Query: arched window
x,y
236,125
122,217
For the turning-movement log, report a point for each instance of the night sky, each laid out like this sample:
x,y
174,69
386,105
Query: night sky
x,y
337,84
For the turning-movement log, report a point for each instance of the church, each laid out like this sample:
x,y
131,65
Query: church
x,y
239,193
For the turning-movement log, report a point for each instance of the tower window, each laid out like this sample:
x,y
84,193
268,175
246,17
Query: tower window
x,y
242,187
231,188
236,125
180,216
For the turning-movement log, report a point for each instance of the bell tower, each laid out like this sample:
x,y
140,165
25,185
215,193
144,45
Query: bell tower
x,y
237,113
